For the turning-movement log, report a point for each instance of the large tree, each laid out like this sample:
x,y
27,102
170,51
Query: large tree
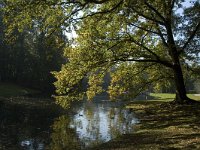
x,y
138,42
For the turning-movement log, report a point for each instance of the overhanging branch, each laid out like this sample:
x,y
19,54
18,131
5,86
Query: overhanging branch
x,y
142,45
97,1
147,17
102,12
155,10
165,63
161,35
144,29
190,38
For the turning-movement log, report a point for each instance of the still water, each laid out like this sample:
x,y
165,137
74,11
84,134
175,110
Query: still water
x,y
87,124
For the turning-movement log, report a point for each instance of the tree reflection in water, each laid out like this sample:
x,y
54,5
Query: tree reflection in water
x,y
63,137
93,124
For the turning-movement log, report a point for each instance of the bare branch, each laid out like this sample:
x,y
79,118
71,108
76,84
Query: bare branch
x,y
190,38
165,63
155,10
161,35
97,1
54,3
142,45
147,17
145,29
102,12
172,5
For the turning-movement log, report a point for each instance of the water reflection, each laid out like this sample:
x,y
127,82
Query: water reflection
x,y
94,123
32,144
25,129
86,125
63,137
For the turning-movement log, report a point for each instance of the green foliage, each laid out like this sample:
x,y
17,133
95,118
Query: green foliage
x,y
116,42
33,13
138,43
28,56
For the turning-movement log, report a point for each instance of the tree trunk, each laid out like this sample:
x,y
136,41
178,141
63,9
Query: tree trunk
x,y
181,94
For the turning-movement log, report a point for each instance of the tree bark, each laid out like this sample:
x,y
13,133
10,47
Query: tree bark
x,y
181,94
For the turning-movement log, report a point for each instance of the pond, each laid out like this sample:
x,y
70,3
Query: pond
x,y
87,124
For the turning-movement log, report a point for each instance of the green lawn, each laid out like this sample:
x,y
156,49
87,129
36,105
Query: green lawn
x,y
162,125
12,90
168,96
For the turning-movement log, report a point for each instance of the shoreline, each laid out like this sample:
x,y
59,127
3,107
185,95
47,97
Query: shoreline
x,y
161,126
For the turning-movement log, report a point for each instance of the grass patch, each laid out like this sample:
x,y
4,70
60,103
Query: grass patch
x,y
162,96
193,96
12,90
162,126
169,96
15,96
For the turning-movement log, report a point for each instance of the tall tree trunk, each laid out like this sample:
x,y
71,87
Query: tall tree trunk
x,y
181,95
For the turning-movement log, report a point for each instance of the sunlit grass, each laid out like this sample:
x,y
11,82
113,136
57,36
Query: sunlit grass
x,y
194,96
169,96
162,96
163,125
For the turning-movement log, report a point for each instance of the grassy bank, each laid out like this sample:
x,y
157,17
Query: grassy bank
x,y
166,97
162,126
13,90
12,95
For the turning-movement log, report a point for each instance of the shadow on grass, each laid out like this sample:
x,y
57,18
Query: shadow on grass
x,y
162,126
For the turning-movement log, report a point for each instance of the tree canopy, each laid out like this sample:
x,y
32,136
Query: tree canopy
x,y
27,57
138,42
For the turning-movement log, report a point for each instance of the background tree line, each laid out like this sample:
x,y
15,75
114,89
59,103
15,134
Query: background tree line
x,y
29,58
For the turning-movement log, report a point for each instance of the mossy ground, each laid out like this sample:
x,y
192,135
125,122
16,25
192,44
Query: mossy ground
x,y
162,126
